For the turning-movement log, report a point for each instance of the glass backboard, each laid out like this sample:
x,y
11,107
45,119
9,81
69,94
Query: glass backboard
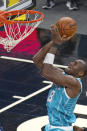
x,y
16,4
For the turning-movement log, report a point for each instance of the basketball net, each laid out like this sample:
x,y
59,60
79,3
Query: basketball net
x,y
17,29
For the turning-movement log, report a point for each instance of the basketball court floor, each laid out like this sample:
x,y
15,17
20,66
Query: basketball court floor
x,y
23,91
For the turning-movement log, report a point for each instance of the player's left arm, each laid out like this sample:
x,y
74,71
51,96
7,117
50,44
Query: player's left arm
x,y
56,76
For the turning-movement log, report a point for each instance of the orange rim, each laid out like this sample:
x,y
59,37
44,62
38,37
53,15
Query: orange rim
x,y
1,21
12,13
1,11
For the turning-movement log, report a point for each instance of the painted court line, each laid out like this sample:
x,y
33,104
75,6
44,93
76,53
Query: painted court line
x,y
18,97
22,99
81,108
25,98
28,61
39,122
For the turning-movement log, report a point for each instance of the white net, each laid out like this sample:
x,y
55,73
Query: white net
x,y
18,31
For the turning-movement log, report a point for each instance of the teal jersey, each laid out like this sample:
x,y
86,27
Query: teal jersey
x,y
60,106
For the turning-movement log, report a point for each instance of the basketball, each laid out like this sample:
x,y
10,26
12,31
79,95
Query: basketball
x,y
66,26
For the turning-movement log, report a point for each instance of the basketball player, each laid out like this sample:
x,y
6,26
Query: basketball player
x,y
67,85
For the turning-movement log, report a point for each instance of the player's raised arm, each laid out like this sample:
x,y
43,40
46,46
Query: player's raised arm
x,y
39,57
54,74
75,69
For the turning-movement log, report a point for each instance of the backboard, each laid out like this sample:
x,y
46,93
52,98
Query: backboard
x,y
9,5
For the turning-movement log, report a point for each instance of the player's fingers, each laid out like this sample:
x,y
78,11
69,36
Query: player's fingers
x,y
52,28
55,32
65,38
58,33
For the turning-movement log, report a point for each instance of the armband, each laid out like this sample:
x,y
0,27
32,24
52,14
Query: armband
x,y
49,58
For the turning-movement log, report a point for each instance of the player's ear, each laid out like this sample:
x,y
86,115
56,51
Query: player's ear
x,y
81,73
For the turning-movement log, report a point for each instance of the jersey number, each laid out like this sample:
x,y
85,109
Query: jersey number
x,y
50,97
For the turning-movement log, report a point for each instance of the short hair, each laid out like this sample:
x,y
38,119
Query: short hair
x,y
85,67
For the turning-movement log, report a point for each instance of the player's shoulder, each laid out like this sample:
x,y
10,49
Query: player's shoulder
x,y
73,79
59,69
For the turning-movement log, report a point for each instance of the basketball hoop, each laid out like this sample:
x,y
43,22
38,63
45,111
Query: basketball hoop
x,y
17,29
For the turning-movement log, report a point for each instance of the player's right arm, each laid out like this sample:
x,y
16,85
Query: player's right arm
x,y
39,57
56,38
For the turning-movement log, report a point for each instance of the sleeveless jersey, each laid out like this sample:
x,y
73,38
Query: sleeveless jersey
x,y
60,106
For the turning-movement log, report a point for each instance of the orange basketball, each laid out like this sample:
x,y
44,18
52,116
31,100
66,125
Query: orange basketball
x,y
66,26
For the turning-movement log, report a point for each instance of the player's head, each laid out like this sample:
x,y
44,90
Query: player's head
x,y
77,68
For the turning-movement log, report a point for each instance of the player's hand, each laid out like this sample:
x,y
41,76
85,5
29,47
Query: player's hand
x,y
65,38
56,35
